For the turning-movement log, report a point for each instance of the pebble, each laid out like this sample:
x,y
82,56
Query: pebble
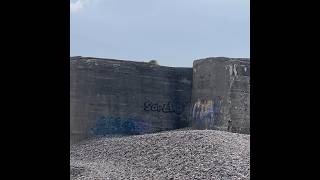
x,y
183,154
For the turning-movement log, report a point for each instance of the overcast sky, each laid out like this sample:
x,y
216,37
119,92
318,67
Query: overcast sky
x,y
173,32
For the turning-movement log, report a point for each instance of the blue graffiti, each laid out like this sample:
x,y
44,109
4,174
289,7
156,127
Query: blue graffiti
x,y
117,125
207,112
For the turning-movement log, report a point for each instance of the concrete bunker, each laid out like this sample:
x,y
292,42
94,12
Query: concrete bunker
x,y
110,96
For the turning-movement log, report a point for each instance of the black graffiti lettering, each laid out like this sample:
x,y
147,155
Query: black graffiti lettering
x,y
168,107
154,107
147,106
159,108
171,107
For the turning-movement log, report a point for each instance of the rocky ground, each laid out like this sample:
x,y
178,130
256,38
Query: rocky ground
x,y
184,154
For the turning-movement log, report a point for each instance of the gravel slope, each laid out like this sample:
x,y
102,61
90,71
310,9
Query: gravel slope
x,y
186,154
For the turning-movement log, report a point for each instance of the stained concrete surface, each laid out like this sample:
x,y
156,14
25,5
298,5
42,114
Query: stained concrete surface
x,y
125,97
221,94
110,96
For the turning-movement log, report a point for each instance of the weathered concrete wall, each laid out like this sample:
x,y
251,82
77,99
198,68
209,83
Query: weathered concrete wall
x,y
125,97
221,94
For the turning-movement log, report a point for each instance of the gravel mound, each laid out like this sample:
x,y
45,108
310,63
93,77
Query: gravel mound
x,y
186,154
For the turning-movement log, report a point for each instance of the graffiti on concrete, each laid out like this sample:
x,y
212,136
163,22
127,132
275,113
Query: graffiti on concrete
x,y
168,107
206,112
117,125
